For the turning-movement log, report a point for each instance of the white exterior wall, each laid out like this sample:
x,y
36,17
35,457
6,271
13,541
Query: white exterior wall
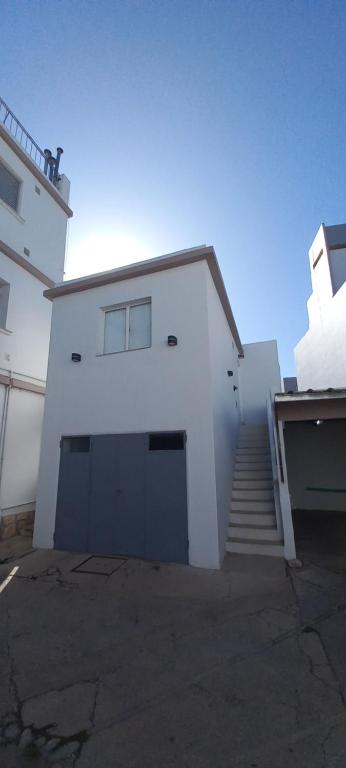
x,y
320,355
24,347
24,355
160,388
40,223
259,375
225,404
21,450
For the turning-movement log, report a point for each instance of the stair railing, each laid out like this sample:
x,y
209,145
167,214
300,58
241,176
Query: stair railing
x,y
281,492
17,130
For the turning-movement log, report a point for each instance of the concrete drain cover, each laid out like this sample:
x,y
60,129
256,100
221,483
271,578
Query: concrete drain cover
x,y
104,566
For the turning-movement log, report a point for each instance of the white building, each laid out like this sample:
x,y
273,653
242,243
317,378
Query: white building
x,y
148,383
33,218
321,354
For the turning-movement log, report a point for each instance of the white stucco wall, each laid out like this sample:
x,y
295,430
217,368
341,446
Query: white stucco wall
x,y
159,388
225,404
24,349
320,355
22,450
23,354
259,374
40,224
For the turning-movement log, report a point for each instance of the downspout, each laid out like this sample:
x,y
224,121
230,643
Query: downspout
x,y
3,432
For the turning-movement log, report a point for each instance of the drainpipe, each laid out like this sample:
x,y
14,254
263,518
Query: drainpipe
x,y
3,431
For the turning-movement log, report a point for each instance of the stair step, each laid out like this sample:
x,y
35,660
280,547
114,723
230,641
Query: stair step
x,y
252,527
253,533
252,442
252,506
253,432
249,458
259,458
252,485
252,495
246,466
253,474
245,547
252,518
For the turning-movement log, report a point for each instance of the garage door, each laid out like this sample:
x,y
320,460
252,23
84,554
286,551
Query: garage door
x,y
123,494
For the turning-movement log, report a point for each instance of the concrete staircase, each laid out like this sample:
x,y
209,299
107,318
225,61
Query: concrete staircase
x,y
252,528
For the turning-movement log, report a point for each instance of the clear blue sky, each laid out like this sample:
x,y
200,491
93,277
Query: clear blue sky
x,y
194,121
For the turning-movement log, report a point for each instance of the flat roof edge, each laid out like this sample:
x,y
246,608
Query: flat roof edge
x,y
21,154
151,266
316,394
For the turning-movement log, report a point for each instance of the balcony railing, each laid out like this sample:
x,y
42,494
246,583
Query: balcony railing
x,y
17,130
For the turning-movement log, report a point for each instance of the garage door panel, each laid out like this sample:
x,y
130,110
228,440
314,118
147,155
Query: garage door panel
x,y
116,524
124,495
166,534
71,527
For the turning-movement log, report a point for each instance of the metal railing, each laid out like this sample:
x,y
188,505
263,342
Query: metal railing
x,y
17,130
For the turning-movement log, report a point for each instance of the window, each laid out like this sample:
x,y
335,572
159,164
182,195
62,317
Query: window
x,y
128,327
166,441
9,187
75,444
4,296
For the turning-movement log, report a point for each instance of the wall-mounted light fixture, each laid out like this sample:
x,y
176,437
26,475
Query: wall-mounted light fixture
x,y
318,422
230,373
76,357
234,388
172,341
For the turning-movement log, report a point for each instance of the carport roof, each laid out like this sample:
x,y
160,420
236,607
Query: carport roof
x,y
158,264
311,405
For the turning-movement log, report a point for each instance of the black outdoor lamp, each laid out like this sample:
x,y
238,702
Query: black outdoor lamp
x,y
76,357
172,341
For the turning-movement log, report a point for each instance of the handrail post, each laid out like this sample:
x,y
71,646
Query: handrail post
x,y
281,491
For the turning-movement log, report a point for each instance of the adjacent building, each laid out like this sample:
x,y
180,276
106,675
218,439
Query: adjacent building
x,y
320,355
34,212
311,418
148,383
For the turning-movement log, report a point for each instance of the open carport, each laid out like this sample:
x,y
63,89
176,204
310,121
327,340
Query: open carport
x,y
312,431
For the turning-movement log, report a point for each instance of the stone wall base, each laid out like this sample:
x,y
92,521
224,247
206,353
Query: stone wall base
x,y
19,524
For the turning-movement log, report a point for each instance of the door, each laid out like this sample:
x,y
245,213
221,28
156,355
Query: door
x,y
166,534
124,495
72,511
117,495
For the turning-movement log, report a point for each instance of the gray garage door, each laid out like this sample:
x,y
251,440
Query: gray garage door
x,y
124,495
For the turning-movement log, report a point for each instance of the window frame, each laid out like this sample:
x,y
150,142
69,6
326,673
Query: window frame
x,y
127,305
15,211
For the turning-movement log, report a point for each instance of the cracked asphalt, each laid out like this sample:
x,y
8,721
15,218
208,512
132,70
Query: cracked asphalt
x,y
161,665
